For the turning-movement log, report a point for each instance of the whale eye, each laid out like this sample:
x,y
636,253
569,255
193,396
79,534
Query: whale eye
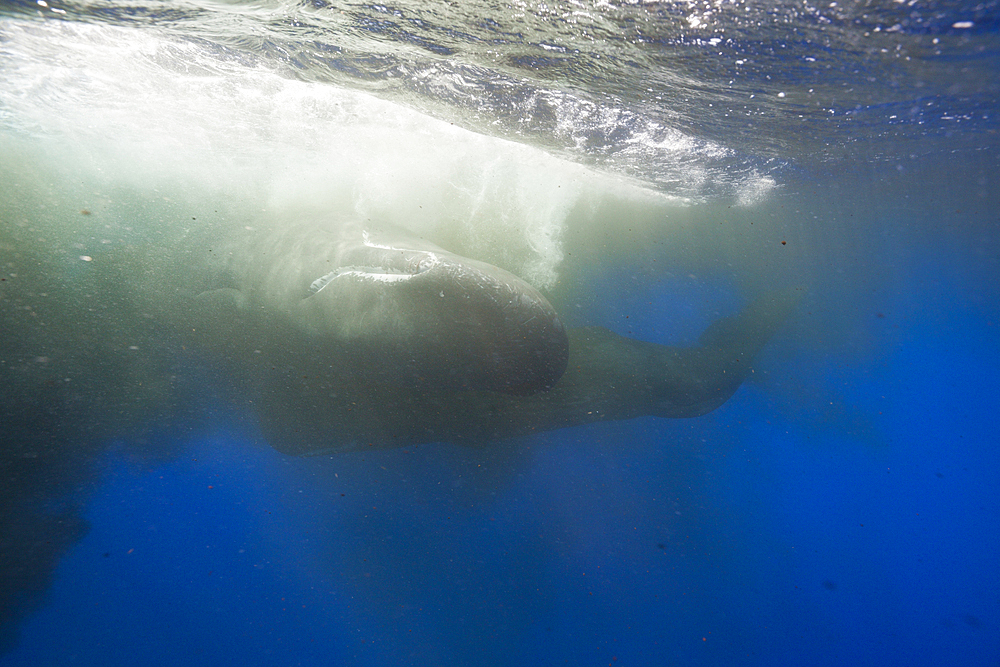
x,y
427,262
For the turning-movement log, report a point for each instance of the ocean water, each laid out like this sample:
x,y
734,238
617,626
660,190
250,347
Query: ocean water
x,y
651,167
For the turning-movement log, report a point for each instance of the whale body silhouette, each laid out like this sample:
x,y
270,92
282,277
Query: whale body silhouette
x,y
349,337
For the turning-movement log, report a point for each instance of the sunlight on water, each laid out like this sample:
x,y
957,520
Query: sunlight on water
x,y
154,114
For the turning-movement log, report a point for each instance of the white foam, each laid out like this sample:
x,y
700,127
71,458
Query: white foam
x,y
178,124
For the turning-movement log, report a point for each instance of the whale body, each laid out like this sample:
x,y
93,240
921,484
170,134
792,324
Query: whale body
x,y
340,337
329,339
353,336
608,377
395,308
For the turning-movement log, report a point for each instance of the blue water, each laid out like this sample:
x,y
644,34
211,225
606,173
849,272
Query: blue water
x,y
843,508
753,535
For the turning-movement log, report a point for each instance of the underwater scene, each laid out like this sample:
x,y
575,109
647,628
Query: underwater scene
x,y
485,333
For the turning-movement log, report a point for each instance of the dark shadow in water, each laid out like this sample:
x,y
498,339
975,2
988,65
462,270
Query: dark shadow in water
x,y
73,376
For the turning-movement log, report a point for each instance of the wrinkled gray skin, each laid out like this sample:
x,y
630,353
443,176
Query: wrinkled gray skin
x,y
398,310
374,338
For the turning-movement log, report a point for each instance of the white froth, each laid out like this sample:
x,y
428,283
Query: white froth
x,y
178,124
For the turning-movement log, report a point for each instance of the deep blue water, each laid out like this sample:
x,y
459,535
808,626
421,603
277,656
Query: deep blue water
x,y
753,535
841,509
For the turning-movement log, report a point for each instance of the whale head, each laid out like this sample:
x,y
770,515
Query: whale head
x,y
438,320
